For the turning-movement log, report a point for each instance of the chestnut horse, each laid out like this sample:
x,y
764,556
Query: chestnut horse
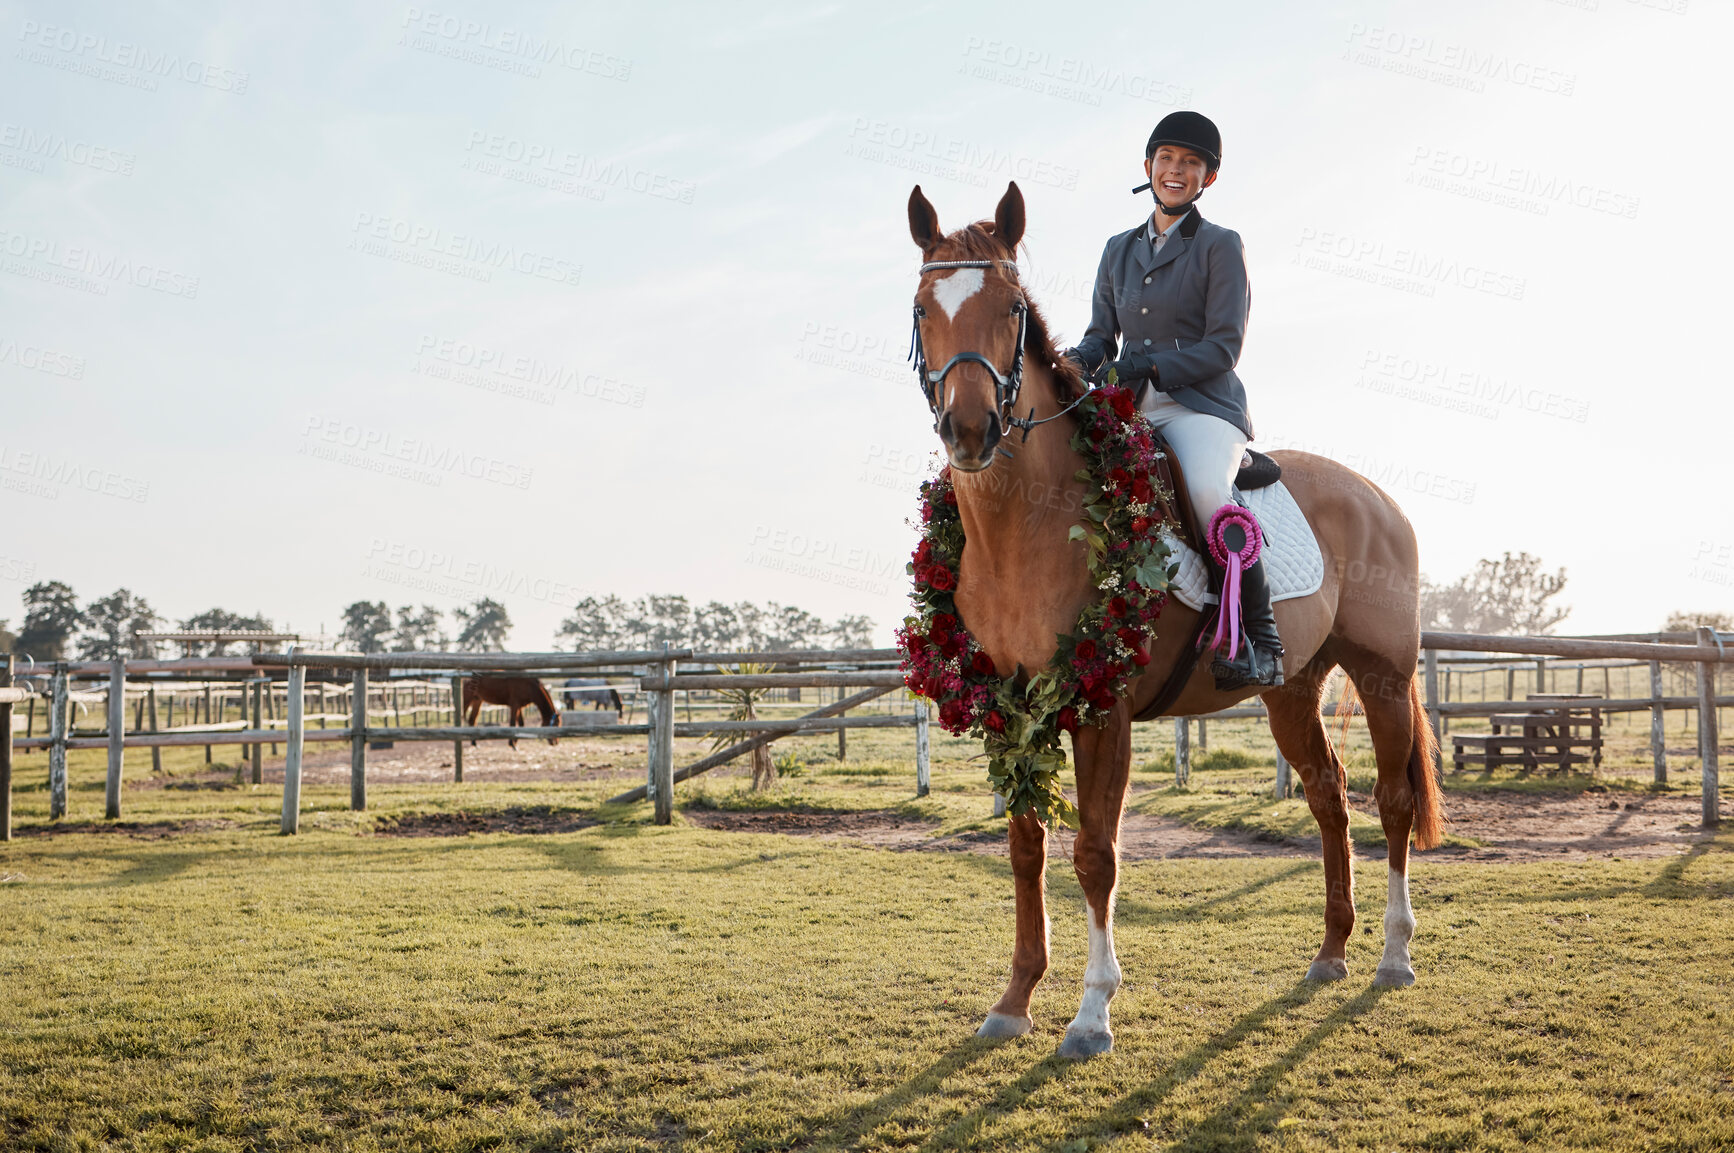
x,y
1021,582
517,694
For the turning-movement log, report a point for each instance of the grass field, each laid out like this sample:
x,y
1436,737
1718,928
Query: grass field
x,y
622,986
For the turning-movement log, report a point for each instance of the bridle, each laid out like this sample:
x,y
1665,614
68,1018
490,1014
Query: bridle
x,y
1005,388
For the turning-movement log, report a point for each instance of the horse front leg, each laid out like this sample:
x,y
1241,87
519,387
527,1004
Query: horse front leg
x,y
1104,767
1010,1016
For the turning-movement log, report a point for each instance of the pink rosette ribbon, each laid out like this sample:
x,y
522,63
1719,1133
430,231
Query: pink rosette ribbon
x,y
1235,542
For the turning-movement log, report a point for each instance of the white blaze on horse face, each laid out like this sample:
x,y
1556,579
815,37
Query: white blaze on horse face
x,y
1101,977
1399,922
953,290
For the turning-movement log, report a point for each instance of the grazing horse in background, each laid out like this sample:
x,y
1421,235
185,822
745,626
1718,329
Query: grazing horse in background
x,y
517,694
578,690
1021,582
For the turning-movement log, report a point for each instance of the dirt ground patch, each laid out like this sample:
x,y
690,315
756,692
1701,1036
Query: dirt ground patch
x,y
424,762
1143,837
529,819
1562,826
1510,826
143,830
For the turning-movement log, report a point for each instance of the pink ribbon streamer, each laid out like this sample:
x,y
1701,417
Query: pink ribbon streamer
x,y
1233,563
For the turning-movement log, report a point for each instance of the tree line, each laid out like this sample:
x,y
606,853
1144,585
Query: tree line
x,y
57,627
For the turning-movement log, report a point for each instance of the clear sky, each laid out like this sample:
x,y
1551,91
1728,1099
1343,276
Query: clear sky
x,y
304,304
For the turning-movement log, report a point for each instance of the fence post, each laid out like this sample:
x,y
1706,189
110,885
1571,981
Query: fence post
x,y
116,736
662,766
1658,746
458,719
57,745
998,805
1432,687
151,712
1182,752
292,752
258,754
1203,736
1284,778
6,660
207,717
923,768
358,741
1707,723
1541,674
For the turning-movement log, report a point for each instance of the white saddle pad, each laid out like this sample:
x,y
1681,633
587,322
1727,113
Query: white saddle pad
x,y
1293,564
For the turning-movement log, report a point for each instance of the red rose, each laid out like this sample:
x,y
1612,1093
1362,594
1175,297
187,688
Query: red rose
x,y
924,552
1111,673
1086,650
953,716
993,722
1117,607
1103,698
1139,656
1067,719
950,496
1130,637
1141,492
982,665
1140,525
1119,476
1122,404
939,577
944,622
1088,683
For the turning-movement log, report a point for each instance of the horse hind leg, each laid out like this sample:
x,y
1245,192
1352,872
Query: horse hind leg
x,y
1408,796
472,710
1300,734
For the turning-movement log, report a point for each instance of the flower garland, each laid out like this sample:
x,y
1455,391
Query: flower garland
x,y
1129,561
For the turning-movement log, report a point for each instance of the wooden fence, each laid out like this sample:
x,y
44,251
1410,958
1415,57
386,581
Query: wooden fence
x,y
660,676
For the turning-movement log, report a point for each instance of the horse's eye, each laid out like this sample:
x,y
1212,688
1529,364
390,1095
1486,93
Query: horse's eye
x,y
921,312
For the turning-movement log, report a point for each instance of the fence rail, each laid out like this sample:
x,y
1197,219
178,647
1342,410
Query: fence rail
x,y
659,676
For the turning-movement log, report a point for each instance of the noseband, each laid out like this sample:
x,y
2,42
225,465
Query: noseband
x,y
1005,388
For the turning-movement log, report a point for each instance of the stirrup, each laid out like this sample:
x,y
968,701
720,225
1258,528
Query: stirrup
x,y
1249,668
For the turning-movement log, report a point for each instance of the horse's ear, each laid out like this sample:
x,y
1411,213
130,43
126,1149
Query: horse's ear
x,y
923,220
1008,218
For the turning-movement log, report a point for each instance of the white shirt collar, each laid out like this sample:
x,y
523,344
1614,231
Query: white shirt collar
x,y
1156,238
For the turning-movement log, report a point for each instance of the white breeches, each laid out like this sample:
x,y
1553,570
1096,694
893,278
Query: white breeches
x,y
1208,449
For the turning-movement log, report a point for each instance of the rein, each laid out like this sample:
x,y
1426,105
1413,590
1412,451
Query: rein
x,y
1006,387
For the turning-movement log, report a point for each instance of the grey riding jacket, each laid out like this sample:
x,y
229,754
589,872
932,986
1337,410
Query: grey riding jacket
x,y
1186,306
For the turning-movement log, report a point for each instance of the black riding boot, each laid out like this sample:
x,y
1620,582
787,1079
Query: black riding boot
x,y
1259,661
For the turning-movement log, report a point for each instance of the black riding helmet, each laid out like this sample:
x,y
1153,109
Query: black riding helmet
x,y
1189,130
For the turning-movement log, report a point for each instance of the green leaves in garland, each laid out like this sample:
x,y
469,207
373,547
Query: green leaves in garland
x,y
1020,723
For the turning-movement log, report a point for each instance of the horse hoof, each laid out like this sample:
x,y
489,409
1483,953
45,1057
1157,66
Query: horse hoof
x,y
1328,970
998,1027
1394,978
1082,1046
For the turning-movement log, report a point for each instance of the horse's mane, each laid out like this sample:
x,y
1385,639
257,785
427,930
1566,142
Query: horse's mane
x,y
978,242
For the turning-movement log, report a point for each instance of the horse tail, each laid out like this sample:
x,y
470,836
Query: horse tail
x,y
1423,777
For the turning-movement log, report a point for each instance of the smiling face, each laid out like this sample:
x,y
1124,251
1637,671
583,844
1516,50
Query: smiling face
x,y
1178,174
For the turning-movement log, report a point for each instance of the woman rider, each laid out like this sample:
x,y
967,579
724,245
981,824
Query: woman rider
x,y
1174,290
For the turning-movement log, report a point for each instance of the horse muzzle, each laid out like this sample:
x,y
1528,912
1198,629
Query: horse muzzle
x,y
970,448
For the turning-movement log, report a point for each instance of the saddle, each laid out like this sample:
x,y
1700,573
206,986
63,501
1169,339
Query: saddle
x,y
1256,471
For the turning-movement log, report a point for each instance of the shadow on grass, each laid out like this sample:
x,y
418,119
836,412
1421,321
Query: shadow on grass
x,y
1249,1113
1140,912
848,1131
